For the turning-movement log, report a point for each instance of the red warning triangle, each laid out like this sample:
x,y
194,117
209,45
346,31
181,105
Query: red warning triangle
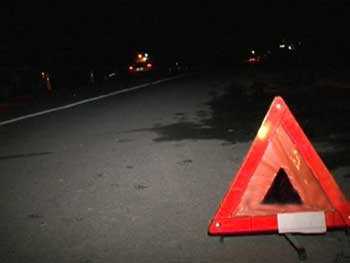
x,y
282,174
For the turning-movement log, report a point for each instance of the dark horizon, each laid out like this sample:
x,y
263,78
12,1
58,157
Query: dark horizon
x,y
45,33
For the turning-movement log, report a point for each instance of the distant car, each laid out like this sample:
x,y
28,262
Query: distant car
x,y
142,63
140,67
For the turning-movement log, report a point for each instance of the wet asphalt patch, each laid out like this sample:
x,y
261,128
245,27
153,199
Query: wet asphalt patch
x,y
26,155
230,118
235,117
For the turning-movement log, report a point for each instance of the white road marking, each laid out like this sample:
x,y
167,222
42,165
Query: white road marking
x,y
89,100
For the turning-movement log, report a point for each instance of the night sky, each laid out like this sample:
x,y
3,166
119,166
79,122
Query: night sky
x,y
105,32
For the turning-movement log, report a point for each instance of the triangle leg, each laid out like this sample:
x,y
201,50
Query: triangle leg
x,y
297,246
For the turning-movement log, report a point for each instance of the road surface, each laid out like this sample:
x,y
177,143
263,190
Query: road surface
x,y
137,177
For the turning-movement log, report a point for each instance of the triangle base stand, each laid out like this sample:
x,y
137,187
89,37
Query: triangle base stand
x,y
292,240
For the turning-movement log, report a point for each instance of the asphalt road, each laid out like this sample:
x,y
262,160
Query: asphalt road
x,y
137,177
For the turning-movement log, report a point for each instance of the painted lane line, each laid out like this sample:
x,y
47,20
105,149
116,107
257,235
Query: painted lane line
x,y
32,115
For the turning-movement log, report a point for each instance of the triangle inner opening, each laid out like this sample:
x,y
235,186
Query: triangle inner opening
x,y
282,191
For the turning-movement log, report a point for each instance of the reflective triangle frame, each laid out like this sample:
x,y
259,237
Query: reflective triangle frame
x,y
228,222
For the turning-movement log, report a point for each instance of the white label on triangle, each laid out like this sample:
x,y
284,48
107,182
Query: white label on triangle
x,y
302,222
